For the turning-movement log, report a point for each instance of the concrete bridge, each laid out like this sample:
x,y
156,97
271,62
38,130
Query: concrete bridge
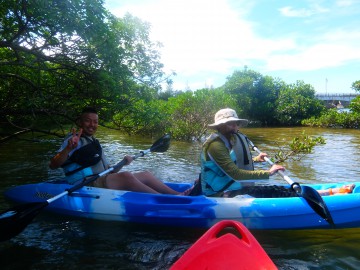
x,y
333,99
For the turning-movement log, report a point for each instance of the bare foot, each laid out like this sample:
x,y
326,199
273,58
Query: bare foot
x,y
186,192
342,190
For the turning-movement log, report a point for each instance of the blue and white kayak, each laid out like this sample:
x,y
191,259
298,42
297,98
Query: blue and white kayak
x,y
192,211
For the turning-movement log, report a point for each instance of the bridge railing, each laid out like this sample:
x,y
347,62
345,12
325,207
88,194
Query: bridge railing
x,y
337,95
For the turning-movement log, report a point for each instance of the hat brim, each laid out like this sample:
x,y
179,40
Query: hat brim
x,y
240,122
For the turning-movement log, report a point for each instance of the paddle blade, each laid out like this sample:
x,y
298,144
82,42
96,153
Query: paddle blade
x,y
316,202
162,144
14,220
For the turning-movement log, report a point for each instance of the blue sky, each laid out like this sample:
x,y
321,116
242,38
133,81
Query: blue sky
x,y
205,41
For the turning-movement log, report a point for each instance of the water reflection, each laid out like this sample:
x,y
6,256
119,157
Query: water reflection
x,y
66,243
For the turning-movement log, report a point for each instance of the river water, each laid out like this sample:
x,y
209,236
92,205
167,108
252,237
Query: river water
x,y
60,242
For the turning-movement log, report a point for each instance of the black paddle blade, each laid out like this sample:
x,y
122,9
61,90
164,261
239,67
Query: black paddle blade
x,y
14,220
316,202
162,144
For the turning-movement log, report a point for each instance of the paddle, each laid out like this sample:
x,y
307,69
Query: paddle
x,y
14,220
311,196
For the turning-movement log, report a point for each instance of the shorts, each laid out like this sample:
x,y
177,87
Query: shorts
x,y
98,183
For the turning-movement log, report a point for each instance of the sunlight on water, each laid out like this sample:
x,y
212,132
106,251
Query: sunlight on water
x,y
66,243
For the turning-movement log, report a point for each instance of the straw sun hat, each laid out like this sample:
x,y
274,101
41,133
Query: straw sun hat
x,y
227,115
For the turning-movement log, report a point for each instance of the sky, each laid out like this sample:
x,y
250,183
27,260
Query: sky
x,y
205,41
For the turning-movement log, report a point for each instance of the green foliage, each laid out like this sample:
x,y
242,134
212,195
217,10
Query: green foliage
x,y
271,101
356,86
297,102
333,118
355,105
143,118
256,94
191,113
299,146
59,56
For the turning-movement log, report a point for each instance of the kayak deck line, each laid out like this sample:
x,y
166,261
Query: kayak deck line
x,y
77,194
192,211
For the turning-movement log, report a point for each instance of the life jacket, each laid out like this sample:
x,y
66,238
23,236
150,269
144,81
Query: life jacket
x,y
213,178
83,159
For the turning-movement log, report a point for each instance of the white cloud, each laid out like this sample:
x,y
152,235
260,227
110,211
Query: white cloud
x,y
290,12
334,48
346,3
315,57
303,12
205,40
197,35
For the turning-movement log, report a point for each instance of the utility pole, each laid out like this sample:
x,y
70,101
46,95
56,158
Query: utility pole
x,y
326,81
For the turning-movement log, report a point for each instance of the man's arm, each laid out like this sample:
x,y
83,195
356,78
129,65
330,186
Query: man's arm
x,y
60,158
220,155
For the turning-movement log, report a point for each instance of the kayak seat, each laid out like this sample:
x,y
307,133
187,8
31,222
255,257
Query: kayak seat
x,y
197,189
273,191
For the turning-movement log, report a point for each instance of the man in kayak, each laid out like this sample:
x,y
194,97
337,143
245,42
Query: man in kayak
x,y
81,155
226,162
226,158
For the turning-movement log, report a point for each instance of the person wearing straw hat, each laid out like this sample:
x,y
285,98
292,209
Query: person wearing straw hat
x,y
226,162
226,158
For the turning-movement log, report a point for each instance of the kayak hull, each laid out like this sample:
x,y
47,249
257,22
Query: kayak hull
x,y
192,211
226,245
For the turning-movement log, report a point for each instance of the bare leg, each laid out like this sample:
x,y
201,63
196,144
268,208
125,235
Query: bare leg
x,y
151,181
127,181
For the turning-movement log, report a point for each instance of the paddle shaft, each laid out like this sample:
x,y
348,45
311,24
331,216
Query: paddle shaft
x,y
311,196
116,167
14,220
294,185
159,146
